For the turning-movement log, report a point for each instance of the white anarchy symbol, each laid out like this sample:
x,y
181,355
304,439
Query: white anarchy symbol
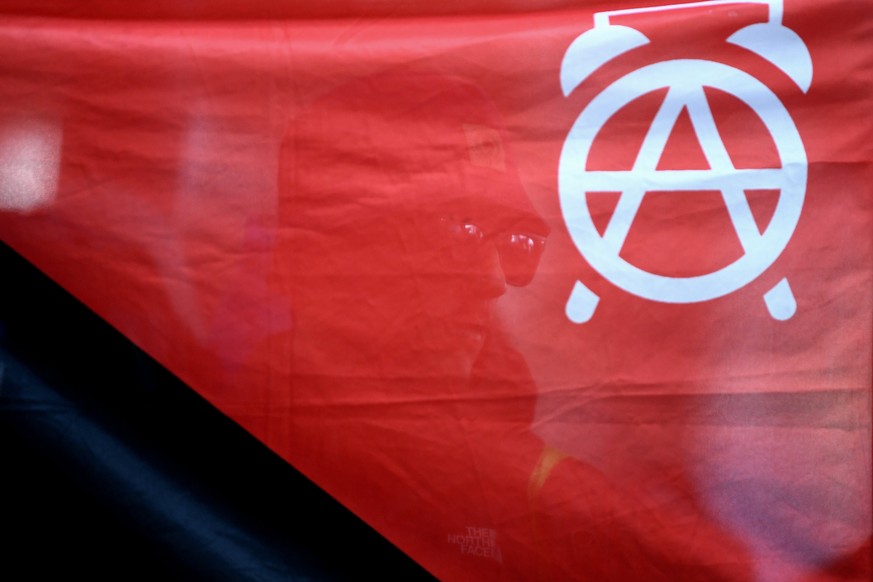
x,y
685,81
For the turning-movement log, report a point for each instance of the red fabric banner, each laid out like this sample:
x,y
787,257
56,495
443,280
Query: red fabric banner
x,y
573,293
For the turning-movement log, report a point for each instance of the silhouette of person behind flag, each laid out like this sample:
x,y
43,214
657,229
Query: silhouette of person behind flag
x,y
402,220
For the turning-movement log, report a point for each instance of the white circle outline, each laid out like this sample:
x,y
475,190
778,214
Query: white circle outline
x,y
684,77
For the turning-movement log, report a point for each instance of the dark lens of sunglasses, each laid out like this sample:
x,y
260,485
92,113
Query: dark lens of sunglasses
x,y
462,230
519,257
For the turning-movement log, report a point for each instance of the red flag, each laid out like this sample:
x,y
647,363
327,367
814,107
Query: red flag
x,y
575,293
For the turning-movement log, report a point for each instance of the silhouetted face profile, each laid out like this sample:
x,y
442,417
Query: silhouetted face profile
x,y
405,220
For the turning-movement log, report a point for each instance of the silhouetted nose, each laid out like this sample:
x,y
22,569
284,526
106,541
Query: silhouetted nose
x,y
490,278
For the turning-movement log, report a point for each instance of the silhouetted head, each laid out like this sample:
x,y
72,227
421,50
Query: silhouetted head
x,y
402,220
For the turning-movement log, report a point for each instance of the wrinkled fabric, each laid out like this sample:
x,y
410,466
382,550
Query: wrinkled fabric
x,y
553,292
